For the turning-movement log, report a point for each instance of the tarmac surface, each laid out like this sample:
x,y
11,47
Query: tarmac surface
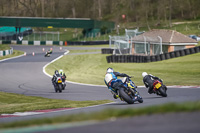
x,y
25,76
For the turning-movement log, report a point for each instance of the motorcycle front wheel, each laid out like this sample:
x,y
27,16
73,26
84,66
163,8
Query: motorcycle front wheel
x,y
140,100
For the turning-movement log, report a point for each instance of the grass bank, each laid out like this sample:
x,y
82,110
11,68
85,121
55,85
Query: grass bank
x,y
15,53
10,103
82,51
91,69
110,114
4,47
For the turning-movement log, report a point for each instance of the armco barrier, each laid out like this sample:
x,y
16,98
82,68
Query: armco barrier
x,y
167,56
6,52
153,58
196,49
107,51
162,56
157,57
182,52
172,55
187,51
24,42
87,42
177,53
191,50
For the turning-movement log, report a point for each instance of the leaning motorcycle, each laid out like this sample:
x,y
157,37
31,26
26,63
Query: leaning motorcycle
x,y
63,82
159,88
47,54
128,91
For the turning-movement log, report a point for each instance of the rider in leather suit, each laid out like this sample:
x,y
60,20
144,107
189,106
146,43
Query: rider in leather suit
x,y
112,82
54,78
148,80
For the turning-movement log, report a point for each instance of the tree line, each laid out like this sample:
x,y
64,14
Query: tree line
x,y
139,11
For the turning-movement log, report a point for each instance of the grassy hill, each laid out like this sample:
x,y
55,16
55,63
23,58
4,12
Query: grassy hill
x,y
91,68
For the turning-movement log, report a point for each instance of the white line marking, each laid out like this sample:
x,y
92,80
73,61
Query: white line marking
x,y
174,86
44,71
36,113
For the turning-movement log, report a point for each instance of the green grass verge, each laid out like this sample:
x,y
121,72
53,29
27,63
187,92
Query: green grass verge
x,y
10,103
15,53
91,69
4,47
110,113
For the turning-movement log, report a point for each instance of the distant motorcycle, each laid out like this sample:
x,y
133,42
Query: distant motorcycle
x,y
128,91
63,82
47,54
159,88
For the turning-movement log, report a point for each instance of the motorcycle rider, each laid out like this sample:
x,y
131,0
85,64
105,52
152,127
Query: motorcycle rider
x,y
112,82
148,80
62,75
50,51
56,74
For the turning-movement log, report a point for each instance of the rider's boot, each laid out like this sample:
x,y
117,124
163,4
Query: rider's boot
x,y
115,96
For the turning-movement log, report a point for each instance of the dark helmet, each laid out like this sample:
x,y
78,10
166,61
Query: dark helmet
x,y
56,72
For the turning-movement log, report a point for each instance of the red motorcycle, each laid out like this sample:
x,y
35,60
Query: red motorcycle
x,y
159,88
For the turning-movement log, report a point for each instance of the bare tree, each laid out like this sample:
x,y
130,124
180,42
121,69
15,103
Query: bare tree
x,y
170,13
99,9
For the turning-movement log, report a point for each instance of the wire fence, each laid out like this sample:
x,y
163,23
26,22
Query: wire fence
x,y
41,36
31,36
138,45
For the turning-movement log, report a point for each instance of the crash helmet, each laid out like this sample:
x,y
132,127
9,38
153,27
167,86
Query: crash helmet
x,y
144,74
61,71
110,70
56,72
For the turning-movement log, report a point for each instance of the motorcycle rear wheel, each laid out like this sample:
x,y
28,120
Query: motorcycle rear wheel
x,y
162,92
60,88
125,96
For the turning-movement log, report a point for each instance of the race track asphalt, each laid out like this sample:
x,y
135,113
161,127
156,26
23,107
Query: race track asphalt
x,y
25,75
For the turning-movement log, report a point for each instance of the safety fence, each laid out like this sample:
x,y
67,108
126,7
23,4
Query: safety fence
x,y
87,42
25,42
153,58
6,52
32,42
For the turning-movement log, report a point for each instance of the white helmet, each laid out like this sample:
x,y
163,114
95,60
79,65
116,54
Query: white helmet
x,y
144,74
61,71
110,70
